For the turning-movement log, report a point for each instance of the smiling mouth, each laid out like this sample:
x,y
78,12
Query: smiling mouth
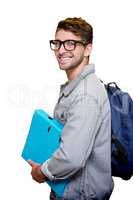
x,y
63,59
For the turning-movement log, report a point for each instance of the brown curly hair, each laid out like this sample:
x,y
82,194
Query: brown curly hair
x,y
77,26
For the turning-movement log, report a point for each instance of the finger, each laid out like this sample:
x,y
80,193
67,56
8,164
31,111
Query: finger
x,y
31,163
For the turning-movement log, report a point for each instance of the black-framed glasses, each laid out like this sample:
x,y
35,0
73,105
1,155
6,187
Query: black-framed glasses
x,y
68,45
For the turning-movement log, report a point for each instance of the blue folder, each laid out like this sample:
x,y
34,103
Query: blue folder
x,y
42,141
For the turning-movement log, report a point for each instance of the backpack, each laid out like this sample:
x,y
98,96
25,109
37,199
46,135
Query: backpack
x,y
121,106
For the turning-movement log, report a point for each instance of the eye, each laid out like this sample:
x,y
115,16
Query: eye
x,y
70,43
56,43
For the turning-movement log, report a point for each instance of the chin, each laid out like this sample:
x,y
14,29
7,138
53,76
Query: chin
x,y
64,67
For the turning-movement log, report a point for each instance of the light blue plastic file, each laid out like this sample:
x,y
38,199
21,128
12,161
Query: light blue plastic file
x,y
42,141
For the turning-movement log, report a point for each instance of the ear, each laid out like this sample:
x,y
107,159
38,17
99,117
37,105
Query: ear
x,y
88,50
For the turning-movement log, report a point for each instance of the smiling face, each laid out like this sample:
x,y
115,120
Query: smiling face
x,y
74,58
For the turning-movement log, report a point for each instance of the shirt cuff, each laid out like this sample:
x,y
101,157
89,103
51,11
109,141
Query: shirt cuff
x,y
46,172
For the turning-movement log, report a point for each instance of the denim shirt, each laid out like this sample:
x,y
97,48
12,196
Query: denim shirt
x,y
84,154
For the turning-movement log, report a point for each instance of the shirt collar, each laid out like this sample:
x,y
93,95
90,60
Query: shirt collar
x,y
68,87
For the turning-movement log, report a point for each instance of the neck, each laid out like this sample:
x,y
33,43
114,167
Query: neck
x,y
74,72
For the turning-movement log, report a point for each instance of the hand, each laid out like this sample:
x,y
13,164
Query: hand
x,y
36,172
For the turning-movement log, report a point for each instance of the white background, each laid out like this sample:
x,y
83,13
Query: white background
x,y
30,78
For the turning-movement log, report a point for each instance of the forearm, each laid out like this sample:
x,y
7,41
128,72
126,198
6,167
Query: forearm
x,y
77,141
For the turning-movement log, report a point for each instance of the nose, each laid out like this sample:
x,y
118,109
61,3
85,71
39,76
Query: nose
x,y
61,49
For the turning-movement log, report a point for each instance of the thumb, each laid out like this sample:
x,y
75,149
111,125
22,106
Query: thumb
x,y
32,163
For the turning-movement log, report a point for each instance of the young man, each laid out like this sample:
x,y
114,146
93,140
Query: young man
x,y
83,107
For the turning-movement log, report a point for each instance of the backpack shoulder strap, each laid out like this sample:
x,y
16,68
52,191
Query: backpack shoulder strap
x,y
112,84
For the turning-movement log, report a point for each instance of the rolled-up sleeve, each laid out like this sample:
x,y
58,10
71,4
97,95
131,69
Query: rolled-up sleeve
x,y
77,139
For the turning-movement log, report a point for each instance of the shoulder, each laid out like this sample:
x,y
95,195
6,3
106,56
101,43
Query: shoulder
x,y
91,86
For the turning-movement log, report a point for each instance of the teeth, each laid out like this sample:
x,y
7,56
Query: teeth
x,y
65,58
